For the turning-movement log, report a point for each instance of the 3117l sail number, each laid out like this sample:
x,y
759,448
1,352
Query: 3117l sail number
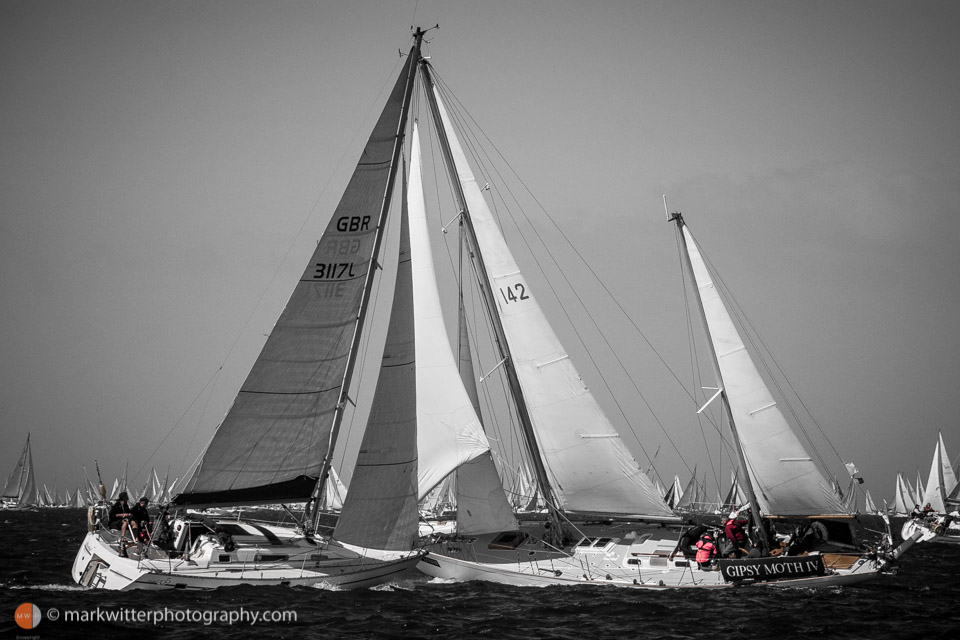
x,y
514,292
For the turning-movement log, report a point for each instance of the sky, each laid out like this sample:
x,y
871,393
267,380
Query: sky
x,y
167,167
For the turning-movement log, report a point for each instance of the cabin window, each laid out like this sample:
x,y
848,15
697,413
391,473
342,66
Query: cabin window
x,y
233,529
224,557
597,543
268,557
508,540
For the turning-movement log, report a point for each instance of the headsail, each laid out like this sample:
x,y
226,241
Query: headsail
x,y
449,432
272,443
380,511
590,468
785,478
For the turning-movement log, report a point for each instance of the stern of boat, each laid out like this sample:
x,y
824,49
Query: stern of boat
x,y
98,565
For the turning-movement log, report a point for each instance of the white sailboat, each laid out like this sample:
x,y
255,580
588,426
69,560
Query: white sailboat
x,y
277,442
20,489
903,503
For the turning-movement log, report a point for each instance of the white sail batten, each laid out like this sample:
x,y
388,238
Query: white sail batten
x,y
588,473
942,480
449,432
785,479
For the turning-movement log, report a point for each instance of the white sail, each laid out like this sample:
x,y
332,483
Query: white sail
x,y
78,500
941,480
334,492
590,468
784,476
903,502
869,505
690,497
449,432
20,485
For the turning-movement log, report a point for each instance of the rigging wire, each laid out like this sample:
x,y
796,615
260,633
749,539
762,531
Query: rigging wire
x,y
469,131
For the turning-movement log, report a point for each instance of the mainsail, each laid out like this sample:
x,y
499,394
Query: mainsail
x,y
272,444
590,468
785,478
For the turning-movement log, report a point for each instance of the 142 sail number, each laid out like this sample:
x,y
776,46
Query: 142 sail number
x,y
513,293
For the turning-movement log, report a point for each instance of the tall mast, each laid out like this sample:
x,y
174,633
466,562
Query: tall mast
x,y
490,302
367,286
677,217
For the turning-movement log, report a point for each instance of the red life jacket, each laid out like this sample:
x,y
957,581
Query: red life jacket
x,y
706,550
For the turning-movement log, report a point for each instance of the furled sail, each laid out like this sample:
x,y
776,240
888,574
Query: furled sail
x,y
20,485
941,480
272,443
785,478
590,468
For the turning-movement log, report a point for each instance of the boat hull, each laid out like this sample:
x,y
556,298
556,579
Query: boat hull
x,y
99,564
641,562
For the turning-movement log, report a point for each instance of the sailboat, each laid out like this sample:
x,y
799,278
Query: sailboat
x,y
277,442
942,494
582,466
20,489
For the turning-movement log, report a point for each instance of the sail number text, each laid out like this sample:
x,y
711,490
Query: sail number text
x,y
333,270
513,293
353,223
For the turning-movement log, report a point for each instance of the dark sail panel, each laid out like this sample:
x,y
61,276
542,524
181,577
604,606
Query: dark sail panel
x,y
271,445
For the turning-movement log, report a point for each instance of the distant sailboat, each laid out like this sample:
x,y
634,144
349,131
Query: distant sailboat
x,y
20,489
941,481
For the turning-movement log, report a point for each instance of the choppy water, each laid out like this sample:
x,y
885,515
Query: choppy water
x,y
37,549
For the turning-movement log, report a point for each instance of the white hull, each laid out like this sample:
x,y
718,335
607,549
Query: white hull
x,y
642,561
931,531
99,564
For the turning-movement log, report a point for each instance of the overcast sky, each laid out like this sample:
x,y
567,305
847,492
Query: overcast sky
x,y
166,167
